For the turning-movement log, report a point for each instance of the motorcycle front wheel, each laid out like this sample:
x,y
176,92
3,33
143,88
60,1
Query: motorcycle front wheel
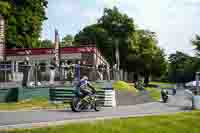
x,y
165,99
98,105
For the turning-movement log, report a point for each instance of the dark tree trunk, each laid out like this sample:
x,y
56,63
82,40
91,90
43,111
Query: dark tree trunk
x,y
135,77
146,79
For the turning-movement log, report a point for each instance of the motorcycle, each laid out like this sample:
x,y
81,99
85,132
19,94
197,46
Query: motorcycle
x,y
164,95
80,103
165,98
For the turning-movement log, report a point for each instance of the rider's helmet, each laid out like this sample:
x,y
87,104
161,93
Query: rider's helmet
x,y
85,78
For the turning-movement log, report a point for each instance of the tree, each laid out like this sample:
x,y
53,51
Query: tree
x,y
182,67
138,49
159,64
67,41
24,22
98,36
112,26
119,28
145,57
45,44
5,8
196,43
117,24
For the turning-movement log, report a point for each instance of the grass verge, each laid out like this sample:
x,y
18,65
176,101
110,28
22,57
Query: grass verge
x,y
154,93
121,85
177,123
35,103
163,84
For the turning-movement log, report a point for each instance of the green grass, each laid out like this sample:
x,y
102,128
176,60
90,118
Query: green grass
x,y
35,103
121,85
177,123
154,93
163,84
160,83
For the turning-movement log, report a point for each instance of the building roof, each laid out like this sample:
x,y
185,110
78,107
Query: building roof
x,y
50,51
47,51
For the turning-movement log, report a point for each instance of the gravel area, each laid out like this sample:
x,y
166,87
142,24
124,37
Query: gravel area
x,y
129,98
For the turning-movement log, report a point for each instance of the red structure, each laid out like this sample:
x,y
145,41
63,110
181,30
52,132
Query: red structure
x,y
89,55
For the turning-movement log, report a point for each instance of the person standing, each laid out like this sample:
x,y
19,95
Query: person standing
x,y
100,73
115,72
69,69
174,90
26,68
52,71
107,69
77,73
77,70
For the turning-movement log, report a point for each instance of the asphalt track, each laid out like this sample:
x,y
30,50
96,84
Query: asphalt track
x,y
28,119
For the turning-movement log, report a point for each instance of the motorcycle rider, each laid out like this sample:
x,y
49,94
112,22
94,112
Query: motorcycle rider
x,y
164,94
83,88
174,90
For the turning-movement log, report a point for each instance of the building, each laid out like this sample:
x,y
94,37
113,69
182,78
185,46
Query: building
x,y
88,56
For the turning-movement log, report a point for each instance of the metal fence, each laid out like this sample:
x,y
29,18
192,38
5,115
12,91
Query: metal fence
x,y
46,75
61,94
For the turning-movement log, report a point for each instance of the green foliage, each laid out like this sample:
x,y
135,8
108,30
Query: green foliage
x,y
67,41
154,93
196,43
117,24
138,48
145,57
5,8
45,44
163,84
24,22
112,26
121,85
95,34
177,123
119,28
182,67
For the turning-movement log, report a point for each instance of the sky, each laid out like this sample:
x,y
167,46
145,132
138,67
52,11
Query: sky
x,y
175,21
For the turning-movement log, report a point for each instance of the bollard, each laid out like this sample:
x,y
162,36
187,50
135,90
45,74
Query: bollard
x,y
196,102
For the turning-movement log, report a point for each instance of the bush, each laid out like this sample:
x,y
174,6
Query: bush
x,y
121,85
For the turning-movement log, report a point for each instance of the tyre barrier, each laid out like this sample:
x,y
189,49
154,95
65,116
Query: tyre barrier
x,y
60,95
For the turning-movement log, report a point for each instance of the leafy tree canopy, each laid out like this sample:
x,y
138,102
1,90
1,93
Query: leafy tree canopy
x,y
24,22
196,43
67,41
182,67
137,47
45,44
5,8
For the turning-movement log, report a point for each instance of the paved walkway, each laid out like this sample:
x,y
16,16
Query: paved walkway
x,y
27,119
